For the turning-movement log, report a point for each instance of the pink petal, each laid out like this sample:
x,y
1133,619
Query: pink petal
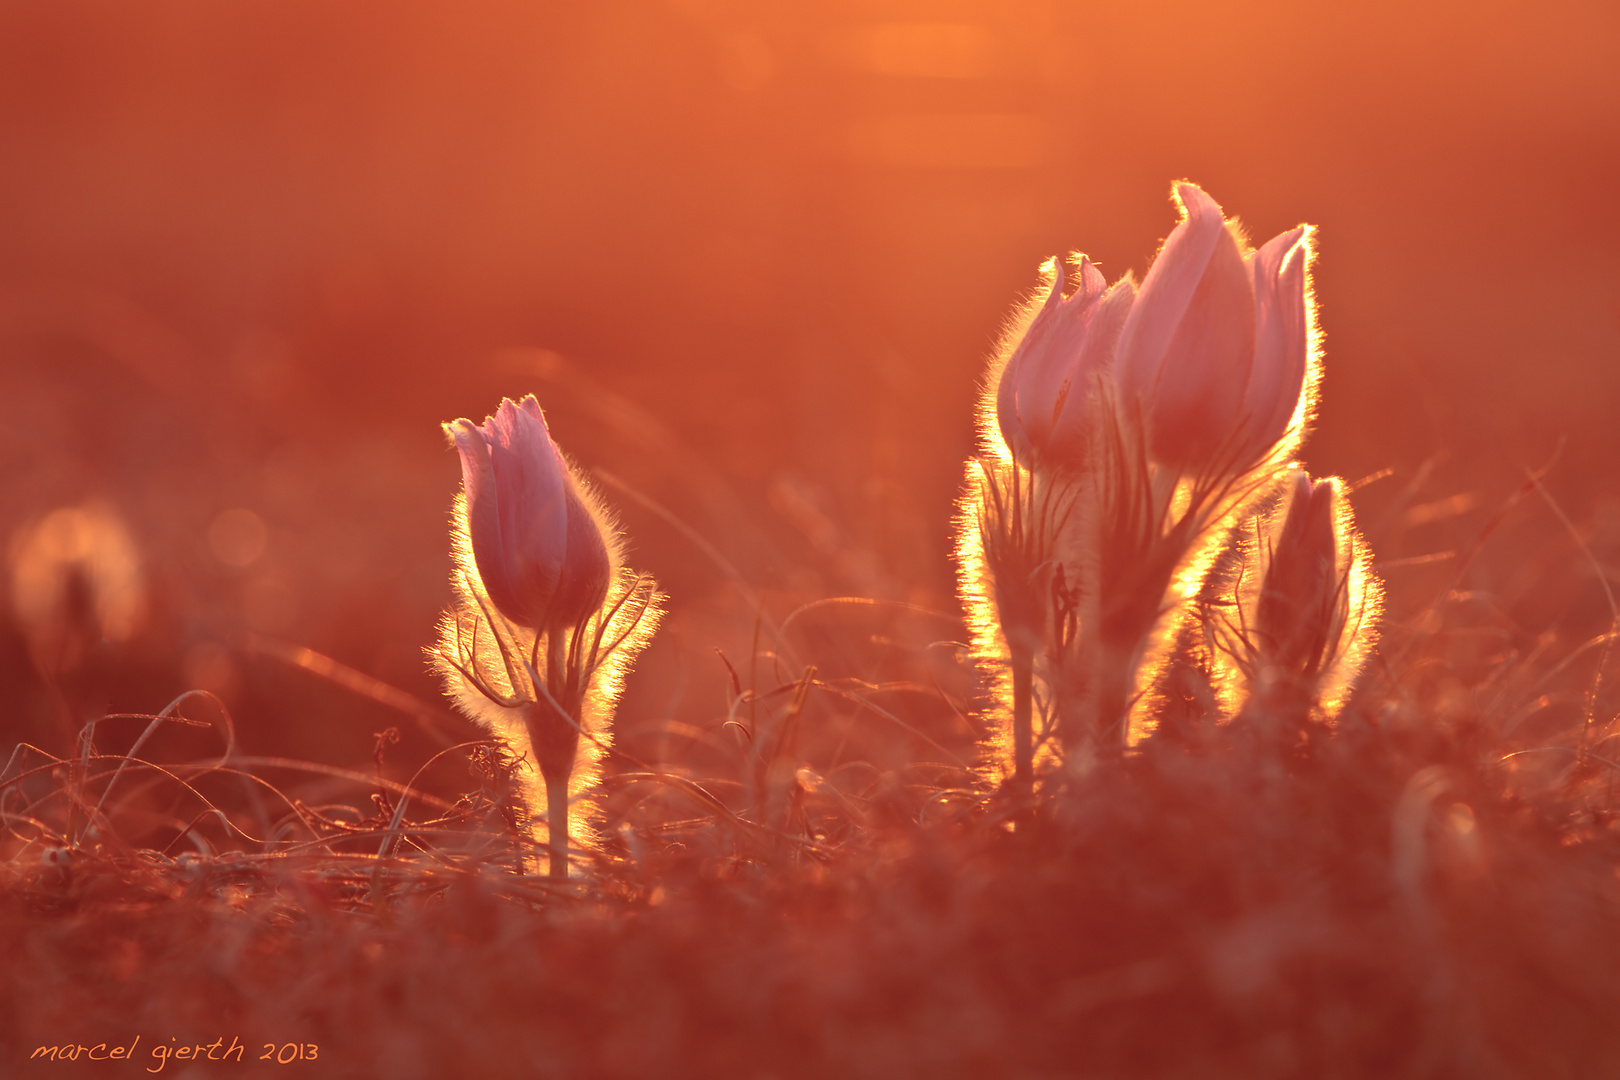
x,y
1043,381
1167,291
1009,415
1092,282
532,504
1104,321
483,514
1053,382
1279,270
582,585
1194,403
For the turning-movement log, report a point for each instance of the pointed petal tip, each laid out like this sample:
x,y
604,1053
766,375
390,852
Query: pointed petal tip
x,y
1092,281
531,405
1303,248
463,432
511,417
1194,201
1054,266
1293,240
1325,489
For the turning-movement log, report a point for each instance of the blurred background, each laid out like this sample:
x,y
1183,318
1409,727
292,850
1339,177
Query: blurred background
x,y
752,257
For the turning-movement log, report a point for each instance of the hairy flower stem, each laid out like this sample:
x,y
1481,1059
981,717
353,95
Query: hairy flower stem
x,y
1131,604
1023,673
555,742
1116,654
1019,519
554,727
557,824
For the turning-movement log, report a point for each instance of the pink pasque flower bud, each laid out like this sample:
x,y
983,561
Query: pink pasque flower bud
x,y
1297,621
1215,349
1041,399
540,554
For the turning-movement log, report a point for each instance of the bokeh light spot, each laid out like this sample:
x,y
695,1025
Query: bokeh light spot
x,y
238,537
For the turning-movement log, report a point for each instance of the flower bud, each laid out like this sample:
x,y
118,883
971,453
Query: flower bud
x,y
1300,613
1041,398
1215,349
540,554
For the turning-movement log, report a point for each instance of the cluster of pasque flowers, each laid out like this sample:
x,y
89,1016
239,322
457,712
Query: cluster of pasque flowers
x,y
546,620
1130,436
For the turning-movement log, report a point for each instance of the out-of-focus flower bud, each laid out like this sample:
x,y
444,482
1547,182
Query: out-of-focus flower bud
x,y
1302,599
75,578
540,554
1215,349
1041,399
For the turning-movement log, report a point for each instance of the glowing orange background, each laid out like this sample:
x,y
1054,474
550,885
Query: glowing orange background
x,y
251,254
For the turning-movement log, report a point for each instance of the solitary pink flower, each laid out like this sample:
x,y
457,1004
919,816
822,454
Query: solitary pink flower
x,y
1041,399
1215,349
540,554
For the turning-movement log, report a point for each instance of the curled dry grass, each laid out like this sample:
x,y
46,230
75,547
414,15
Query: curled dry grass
x,y
815,884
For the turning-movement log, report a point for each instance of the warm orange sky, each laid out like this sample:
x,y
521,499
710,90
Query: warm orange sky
x,y
728,189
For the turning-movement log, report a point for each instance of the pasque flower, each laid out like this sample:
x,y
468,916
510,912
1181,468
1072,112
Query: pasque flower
x,y
1215,350
1042,402
1041,399
539,552
1130,429
546,621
